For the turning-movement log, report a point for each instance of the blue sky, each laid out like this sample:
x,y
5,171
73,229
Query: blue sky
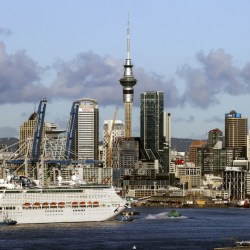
x,y
197,52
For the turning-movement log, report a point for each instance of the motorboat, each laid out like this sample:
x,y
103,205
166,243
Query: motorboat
x,y
8,221
174,214
125,218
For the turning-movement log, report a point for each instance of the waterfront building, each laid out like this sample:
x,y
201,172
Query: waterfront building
x,y
87,130
153,144
212,181
235,181
110,134
236,130
215,160
190,174
128,82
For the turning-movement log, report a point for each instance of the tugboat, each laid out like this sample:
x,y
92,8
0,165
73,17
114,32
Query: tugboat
x,y
174,214
8,221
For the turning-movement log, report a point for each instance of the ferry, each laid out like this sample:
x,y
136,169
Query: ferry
x,y
59,204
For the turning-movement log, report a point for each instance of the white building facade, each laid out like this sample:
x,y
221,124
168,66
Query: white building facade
x,y
87,134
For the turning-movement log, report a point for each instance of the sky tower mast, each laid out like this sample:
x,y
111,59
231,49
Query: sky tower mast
x,y
128,82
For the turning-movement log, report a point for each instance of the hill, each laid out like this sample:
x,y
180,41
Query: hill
x,y
9,141
180,144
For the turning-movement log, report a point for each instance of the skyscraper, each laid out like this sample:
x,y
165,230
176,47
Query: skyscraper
x,y
128,82
236,129
214,136
87,133
111,132
153,145
167,128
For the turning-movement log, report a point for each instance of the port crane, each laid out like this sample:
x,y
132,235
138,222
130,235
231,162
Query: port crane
x,y
35,147
38,132
71,130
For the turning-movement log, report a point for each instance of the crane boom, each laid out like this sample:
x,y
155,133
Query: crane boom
x,y
38,131
71,129
110,136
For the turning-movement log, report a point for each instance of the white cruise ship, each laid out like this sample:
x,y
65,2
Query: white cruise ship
x,y
59,204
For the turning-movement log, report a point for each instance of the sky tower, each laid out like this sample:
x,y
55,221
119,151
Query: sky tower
x,y
128,82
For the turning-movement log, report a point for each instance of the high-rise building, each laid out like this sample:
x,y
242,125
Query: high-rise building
x,y
26,132
248,145
128,152
214,160
167,128
236,130
87,131
110,134
214,136
193,150
128,82
153,144
51,135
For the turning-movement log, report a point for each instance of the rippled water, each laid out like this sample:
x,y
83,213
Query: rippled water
x,y
196,229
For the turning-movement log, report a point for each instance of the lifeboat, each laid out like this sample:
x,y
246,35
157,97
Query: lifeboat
x,y
26,205
89,204
45,205
74,204
96,204
82,204
36,205
61,204
53,205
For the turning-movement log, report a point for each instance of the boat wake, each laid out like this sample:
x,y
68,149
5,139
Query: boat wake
x,y
164,215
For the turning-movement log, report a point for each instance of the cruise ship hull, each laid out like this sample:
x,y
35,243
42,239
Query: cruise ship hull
x,y
59,205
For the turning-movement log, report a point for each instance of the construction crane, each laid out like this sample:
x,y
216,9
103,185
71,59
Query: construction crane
x,y
71,130
109,136
38,131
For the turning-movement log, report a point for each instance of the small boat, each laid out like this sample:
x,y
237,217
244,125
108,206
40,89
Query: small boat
x,y
174,214
45,205
131,213
243,243
96,204
125,218
26,205
243,203
61,204
36,205
53,205
82,204
8,221
74,204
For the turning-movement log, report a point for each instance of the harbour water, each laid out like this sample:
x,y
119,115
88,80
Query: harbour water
x,y
198,228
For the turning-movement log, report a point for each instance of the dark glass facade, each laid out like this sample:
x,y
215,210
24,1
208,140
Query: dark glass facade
x,y
151,125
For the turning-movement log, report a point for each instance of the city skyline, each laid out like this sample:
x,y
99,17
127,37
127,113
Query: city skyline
x,y
196,52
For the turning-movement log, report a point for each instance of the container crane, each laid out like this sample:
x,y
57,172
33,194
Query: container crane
x,y
38,131
71,130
